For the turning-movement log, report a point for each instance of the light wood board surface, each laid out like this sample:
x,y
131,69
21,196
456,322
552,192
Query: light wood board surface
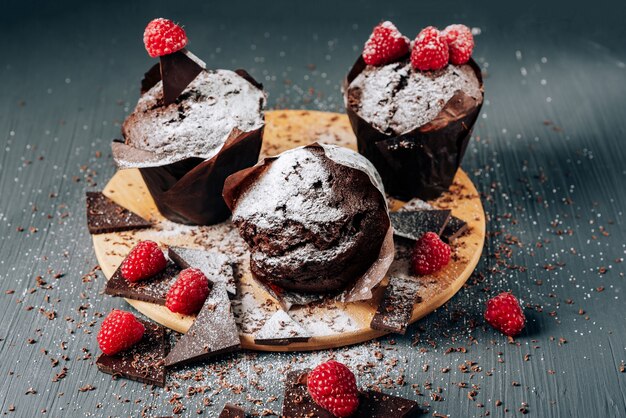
x,y
342,324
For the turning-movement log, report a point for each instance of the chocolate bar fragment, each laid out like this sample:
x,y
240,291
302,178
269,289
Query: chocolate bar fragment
x,y
215,266
454,229
213,332
297,402
232,411
153,290
104,216
414,224
396,308
375,404
281,329
177,71
144,361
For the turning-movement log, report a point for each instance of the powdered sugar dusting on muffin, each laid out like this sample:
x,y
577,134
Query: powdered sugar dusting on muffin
x,y
214,103
395,99
295,170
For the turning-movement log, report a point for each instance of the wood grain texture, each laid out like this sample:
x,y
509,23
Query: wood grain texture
x,y
547,156
286,129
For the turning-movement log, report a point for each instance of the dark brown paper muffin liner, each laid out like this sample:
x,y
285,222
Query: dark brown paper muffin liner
x,y
423,162
189,191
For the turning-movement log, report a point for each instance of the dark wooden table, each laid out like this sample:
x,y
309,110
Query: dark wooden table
x,y
547,154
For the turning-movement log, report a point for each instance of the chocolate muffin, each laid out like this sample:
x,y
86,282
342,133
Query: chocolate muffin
x,y
314,222
412,106
186,149
414,126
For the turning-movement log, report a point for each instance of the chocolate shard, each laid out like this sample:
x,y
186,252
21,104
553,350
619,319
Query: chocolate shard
x,y
298,403
142,362
213,332
232,411
454,229
396,307
414,224
153,290
281,329
104,216
177,71
379,405
215,266
151,78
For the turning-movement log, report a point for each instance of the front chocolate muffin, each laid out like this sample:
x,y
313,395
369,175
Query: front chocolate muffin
x,y
313,224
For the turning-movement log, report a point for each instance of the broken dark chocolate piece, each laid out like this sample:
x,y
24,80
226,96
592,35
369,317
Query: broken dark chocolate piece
x,y
414,224
144,361
153,290
281,329
215,266
297,402
375,404
396,308
213,332
454,229
177,71
232,411
104,216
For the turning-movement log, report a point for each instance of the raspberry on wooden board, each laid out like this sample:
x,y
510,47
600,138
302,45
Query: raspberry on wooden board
x,y
144,260
430,254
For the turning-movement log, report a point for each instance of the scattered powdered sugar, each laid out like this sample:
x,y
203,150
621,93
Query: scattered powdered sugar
x,y
281,326
396,99
330,321
198,124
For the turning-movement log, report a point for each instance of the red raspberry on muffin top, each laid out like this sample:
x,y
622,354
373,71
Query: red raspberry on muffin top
x,y
460,43
386,44
163,37
430,50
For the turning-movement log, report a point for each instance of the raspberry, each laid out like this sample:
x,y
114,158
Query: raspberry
x,y
505,314
333,387
460,43
385,45
430,254
119,331
430,50
188,293
145,260
163,37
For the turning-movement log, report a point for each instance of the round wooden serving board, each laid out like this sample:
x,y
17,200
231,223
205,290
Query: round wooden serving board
x,y
332,324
